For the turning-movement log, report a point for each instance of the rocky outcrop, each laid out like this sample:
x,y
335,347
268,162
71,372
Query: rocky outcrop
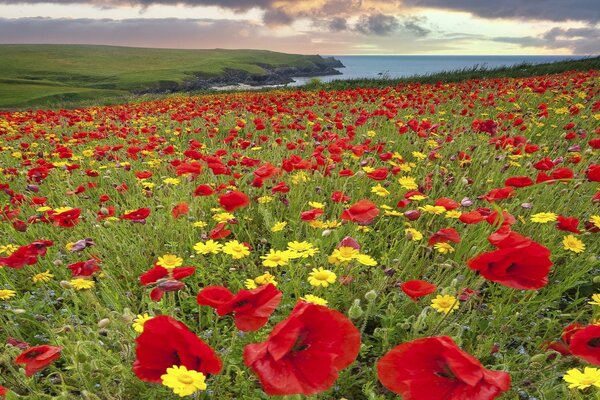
x,y
273,75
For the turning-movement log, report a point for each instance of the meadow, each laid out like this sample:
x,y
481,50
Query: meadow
x,y
416,240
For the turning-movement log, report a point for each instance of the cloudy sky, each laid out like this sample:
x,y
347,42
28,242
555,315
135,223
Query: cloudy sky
x,y
314,26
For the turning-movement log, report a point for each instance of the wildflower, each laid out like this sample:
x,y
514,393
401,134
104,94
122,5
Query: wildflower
x,y
139,321
265,279
573,244
319,343
321,277
366,260
208,247
7,294
250,284
223,217
443,370
453,214
408,183
184,382
435,210
278,226
275,258
595,299
236,249
362,212
172,181
316,204
418,155
443,248
544,217
413,234
595,220
342,255
37,358
445,304
82,284
418,288
199,224
11,248
380,191
42,277
169,261
301,249
582,380
309,298
265,199
233,200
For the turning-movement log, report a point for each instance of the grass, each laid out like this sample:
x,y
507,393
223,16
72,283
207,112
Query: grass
x,y
312,136
42,75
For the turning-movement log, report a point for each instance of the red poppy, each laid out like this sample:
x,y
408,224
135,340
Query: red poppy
x,y
26,255
233,200
471,217
585,344
544,164
416,289
378,174
137,215
518,262
180,209
251,308
84,268
66,219
499,194
3,391
339,197
203,190
166,342
593,172
219,232
444,235
447,203
311,215
304,353
362,212
518,181
37,358
568,224
436,368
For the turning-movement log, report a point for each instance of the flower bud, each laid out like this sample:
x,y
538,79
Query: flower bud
x,y
371,295
355,311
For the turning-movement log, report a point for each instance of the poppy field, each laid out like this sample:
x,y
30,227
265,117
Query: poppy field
x,y
418,241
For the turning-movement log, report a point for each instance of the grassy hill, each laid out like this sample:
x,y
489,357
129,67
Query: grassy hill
x,y
33,75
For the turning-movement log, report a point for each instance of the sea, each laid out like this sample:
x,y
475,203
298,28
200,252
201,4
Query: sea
x,y
405,66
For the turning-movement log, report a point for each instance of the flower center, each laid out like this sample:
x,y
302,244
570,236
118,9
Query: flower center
x,y
186,379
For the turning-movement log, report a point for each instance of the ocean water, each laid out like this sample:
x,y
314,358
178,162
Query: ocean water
x,y
403,66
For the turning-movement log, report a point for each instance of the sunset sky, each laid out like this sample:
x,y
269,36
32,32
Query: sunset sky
x,y
314,27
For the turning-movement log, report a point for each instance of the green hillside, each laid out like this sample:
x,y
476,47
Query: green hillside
x,y
43,74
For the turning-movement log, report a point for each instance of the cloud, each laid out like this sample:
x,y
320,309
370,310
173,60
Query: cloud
x,y
577,40
377,24
277,17
552,10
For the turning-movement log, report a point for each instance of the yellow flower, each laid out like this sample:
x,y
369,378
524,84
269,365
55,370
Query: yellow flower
x,y
366,260
380,191
265,199
595,220
275,258
139,321
413,234
172,181
309,298
236,249
8,249
453,214
184,382
573,244
595,299
62,209
418,197
265,279
542,218
82,284
279,226
436,210
223,217
210,247
342,255
42,277
418,155
6,294
445,304
170,261
321,277
301,249
199,224
582,380
443,248
316,204
408,183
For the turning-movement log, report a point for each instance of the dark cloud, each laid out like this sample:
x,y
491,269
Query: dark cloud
x,y
578,40
377,24
233,4
415,26
337,24
553,10
277,16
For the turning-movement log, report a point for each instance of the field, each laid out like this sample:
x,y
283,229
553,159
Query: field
x,y
458,221
41,75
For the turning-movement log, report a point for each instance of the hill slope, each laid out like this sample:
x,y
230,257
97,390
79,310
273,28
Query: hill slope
x,y
39,74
